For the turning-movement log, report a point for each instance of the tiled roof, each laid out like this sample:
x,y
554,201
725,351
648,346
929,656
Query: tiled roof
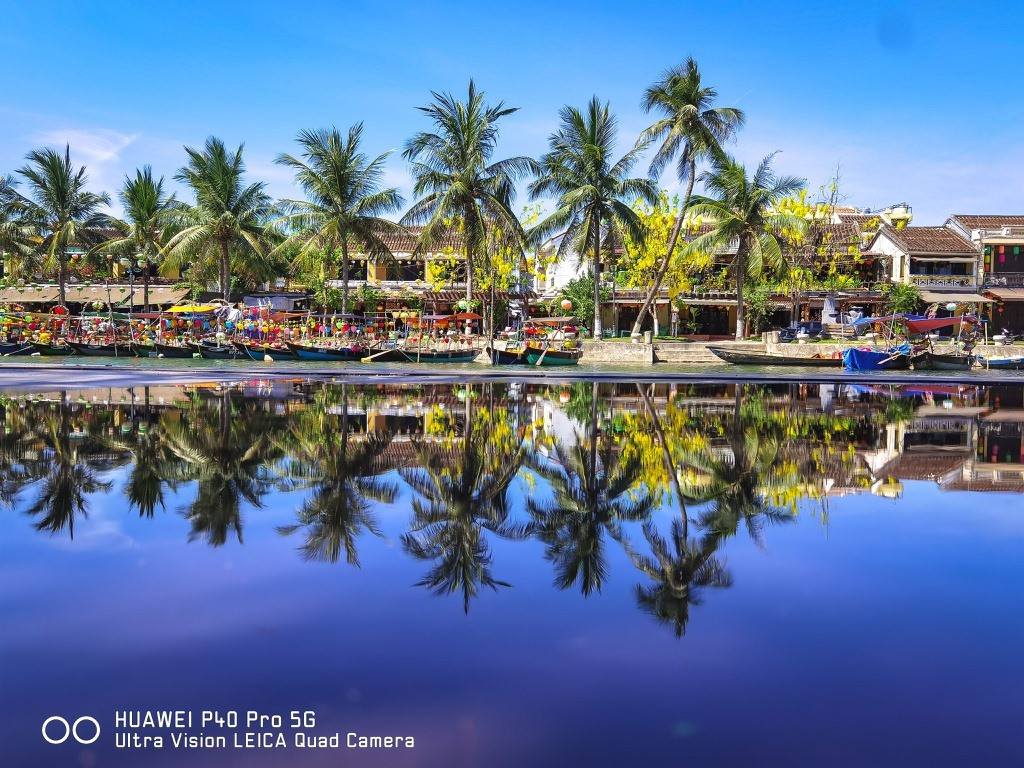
x,y
970,222
406,242
929,240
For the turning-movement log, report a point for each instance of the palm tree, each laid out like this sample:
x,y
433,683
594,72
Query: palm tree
x,y
595,491
456,184
228,217
594,193
17,238
690,130
680,575
344,477
144,231
61,208
743,209
345,204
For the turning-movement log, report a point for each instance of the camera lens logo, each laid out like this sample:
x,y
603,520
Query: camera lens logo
x,y
85,730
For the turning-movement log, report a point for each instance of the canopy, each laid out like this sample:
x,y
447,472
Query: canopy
x,y
552,320
467,316
935,297
193,308
923,326
887,319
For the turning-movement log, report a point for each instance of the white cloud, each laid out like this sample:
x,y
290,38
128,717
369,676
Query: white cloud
x,y
99,150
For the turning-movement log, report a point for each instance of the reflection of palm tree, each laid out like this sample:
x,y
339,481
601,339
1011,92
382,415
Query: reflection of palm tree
x,y
345,478
680,575
69,470
228,456
592,496
460,494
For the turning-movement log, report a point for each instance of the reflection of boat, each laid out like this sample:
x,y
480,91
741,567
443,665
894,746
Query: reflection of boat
x,y
260,351
1002,363
316,352
934,361
895,359
739,357
91,349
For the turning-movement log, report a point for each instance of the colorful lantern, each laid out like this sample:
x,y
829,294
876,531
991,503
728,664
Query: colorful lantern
x,y
566,305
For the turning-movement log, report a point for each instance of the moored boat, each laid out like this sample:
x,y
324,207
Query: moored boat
x,y
174,351
384,353
464,355
932,361
895,359
317,352
52,350
1002,363
12,349
514,356
740,357
262,351
537,354
212,351
94,349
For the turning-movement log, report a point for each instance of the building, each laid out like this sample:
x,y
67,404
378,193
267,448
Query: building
x,y
999,241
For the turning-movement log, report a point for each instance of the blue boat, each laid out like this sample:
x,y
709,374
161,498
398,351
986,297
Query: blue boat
x,y
1002,363
894,359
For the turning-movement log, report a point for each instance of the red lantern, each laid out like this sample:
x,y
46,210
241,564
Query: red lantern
x,y
1002,249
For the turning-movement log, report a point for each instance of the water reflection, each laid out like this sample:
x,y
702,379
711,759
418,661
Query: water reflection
x,y
663,476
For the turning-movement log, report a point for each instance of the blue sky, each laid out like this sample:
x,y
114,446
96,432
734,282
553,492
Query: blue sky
x,y
916,101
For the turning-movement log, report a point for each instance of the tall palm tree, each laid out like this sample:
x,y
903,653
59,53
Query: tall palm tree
x,y
456,184
345,204
690,130
17,237
344,476
61,207
228,217
145,229
744,211
594,192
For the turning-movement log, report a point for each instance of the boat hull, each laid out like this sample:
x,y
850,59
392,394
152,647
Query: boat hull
x,y
52,350
930,361
507,356
442,356
173,351
260,353
870,360
101,350
326,354
536,355
217,352
737,357
1002,363
14,350
378,355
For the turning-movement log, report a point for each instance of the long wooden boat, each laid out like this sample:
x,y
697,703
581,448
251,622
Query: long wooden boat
x,y
441,355
537,355
317,352
1002,363
739,357
932,361
92,349
261,351
52,350
174,351
212,351
13,349
144,350
515,356
871,360
385,354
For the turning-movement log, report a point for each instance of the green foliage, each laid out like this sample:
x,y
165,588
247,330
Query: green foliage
x,y
759,306
580,292
901,297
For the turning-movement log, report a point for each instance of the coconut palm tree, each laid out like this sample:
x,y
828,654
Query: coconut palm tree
x,y
743,209
228,218
17,237
146,227
61,208
456,184
594,191
344,206
345,477
689,131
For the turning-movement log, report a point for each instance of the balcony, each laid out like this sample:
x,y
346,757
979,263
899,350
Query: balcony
x,y
1007,279
943,281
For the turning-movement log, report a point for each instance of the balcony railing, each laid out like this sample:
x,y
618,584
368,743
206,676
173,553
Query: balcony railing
x,y
943,281
1007,278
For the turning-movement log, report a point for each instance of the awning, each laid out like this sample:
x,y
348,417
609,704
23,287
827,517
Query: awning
x,y
933,297
1007,294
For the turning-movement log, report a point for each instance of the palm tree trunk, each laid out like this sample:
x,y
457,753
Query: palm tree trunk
x,y
741,269
225,270
344,276
677,227
597,282
62,275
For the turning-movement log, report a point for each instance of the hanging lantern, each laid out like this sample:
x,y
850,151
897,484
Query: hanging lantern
x,y
1016,250
951,307
988,250
1002,249
463,304
566,305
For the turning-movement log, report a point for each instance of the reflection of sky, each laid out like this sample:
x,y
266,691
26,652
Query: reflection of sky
x,y
890,637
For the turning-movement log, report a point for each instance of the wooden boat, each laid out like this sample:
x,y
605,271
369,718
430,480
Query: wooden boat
x,y
212,351
514,356
929,361
384,354
13,349
545,355
92,349
1002,363
143,350
895,359
441,355
52,350
261,351
174,351
740,357
317,352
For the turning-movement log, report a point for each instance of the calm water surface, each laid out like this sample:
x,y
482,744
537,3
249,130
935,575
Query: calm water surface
x,y
518,575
